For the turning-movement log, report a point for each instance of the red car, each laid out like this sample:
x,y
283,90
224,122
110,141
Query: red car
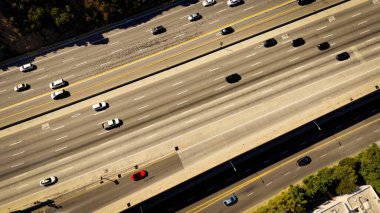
x,y
139,175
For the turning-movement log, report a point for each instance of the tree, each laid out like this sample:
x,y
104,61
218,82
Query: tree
x,y
320,184
370,166
346,179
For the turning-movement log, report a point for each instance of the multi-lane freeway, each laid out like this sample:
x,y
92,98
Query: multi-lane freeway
x,y
194,108
90,69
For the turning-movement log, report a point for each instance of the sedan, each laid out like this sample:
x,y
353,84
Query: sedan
x,y
58,84
26,67
342,56
158,30
227,30
231,200
100,106
234,78
21,87
270,43
323,46
111,124
232,3
49,181
305,2
207,3
304,161
58,94
194,17
139,175
298,42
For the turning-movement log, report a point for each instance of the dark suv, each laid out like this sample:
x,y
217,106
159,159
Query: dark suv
x,y
234,78
270,43
304,161
342,56
298,42
158,30
227,30
324,46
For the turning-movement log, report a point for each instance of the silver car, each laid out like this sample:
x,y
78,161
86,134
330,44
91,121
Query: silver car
x,y
231,200
57,84
100,106
207,3
194,17
26,67
232,3
58,94
21,87
49,181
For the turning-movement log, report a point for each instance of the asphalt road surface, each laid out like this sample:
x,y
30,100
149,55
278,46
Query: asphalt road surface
x,y
131,51
75,144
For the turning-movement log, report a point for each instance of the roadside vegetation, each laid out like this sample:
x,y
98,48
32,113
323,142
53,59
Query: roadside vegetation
x,y
363,169
27,25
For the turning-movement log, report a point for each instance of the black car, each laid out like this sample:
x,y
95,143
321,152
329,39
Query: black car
x,y
158,30
324,46
227,30
342,56
298,42
234,78
304,161
270,43
305,2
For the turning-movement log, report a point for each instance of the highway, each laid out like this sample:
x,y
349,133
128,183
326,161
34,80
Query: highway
x,y
277,82
91,69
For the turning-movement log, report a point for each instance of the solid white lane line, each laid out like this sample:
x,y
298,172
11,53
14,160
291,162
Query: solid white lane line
x,y
114,43
18,153
15,143
146,116
256,64
213,22
177,83
366,31
249,8
67,60
220,77
221,11
22,186
138,98
258,73
42,77
115,51
219,88
321,28
85,62
323,155
182,102
13,166
143,107
61,138
104,64
328,35
58,127
213,69
356,14
103,133
363,22
250,55
179,35
181,92
294,59
109,152
57,150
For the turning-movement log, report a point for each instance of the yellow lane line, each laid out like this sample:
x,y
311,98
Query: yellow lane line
x,y
143,58
292,160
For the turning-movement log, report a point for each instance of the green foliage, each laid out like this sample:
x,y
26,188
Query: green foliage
x,y
346,179
370,166
320,184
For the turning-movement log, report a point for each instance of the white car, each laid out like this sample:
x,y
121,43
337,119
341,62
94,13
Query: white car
x,y
232,3
111,124
57,84
208,2
58,94
26,67
21,87
48,181
100,106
